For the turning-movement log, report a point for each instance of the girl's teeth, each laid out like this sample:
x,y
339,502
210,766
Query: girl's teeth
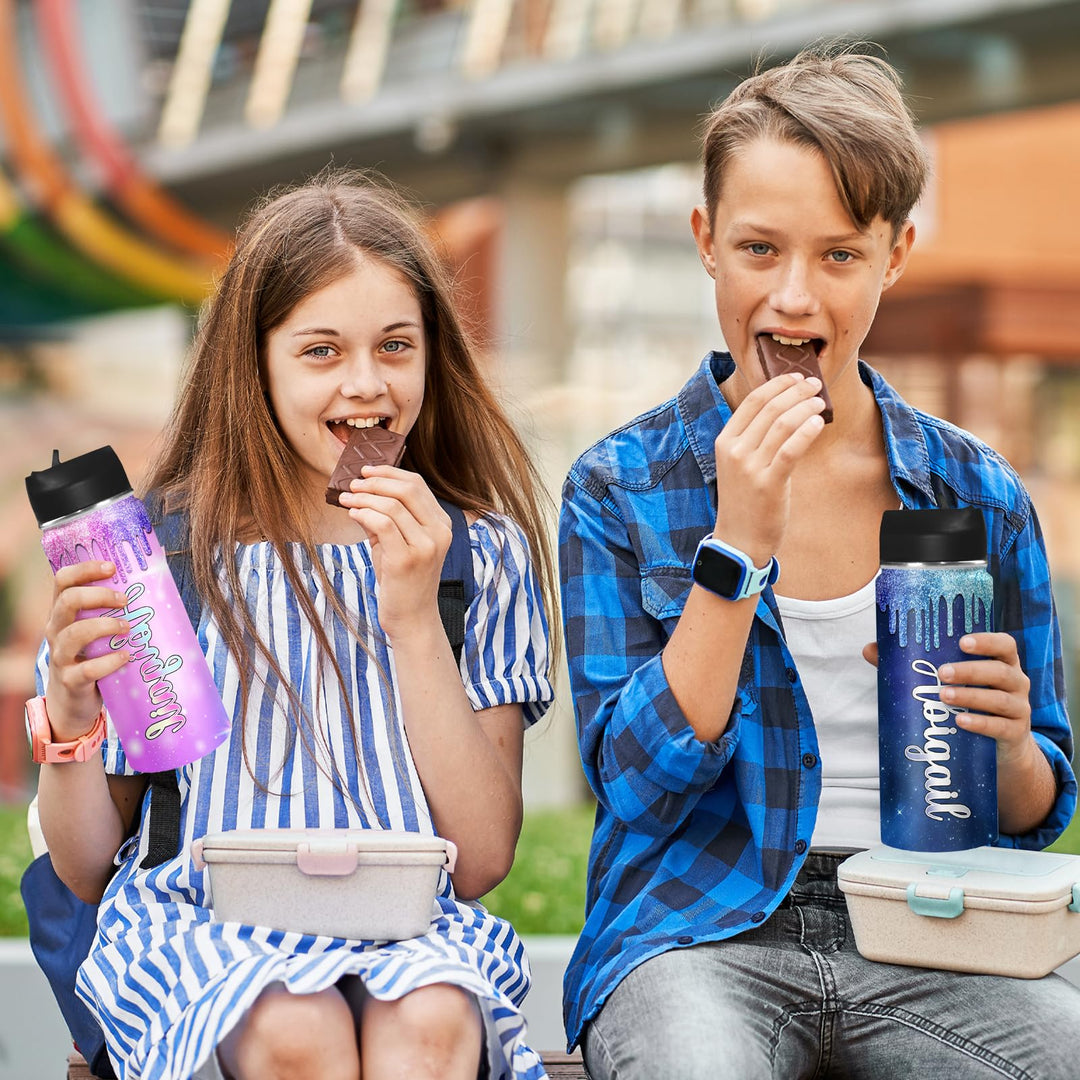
x,y
790,340
363,421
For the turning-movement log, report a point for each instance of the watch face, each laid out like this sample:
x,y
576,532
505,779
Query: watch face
x,y
717,571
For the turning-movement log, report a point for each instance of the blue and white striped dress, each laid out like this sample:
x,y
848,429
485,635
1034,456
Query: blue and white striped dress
x,y
165,980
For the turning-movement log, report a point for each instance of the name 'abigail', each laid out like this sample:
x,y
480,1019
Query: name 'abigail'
x,y
935,749
167,714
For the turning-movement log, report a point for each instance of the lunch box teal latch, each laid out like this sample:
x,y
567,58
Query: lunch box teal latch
x,y
941,907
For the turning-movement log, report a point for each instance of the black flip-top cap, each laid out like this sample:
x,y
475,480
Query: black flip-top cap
x,y
933,536
67,487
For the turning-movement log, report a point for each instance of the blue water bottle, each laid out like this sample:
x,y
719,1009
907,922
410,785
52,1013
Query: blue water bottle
x,y
938,782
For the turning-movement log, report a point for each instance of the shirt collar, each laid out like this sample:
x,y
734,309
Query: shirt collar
x,y
905,441
704,412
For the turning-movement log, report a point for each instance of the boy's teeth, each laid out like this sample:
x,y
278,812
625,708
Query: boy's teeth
x,y
363,421
790,340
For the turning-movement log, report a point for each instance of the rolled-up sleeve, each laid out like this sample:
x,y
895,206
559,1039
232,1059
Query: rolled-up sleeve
x,y
640,756
506,657
1027,613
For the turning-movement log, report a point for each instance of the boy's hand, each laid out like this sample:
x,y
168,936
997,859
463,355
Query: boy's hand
x,y
997,688
768,433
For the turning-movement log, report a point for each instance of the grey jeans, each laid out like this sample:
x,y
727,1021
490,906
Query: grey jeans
x,y
793,999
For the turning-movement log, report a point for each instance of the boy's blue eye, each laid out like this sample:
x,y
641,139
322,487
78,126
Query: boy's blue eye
x,y
841,256
758,248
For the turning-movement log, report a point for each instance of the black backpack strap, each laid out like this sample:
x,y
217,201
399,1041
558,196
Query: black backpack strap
x,y
163,814
172,534
162,820
458,586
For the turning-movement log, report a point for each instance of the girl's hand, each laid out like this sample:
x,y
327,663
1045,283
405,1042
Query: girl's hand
x,y
410,534
73,697
995,686
767,435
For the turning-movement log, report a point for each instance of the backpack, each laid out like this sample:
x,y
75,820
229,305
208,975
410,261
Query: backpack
x,y
63,927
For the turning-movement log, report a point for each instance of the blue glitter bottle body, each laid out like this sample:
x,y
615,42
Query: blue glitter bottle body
x,y
938,782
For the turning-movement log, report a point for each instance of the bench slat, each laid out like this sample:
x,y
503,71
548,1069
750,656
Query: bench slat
x,y
558,1067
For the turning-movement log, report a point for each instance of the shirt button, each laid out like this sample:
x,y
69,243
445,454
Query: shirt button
x,y
792,674
758,916
809,760
800,846
686,939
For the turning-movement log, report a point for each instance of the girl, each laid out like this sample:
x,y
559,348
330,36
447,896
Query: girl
x,y
322,627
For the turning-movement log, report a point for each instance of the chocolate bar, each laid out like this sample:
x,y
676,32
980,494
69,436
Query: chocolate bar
x,y
776,359
366,446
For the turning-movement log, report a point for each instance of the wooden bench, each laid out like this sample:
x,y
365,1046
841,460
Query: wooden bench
x,y
558,1066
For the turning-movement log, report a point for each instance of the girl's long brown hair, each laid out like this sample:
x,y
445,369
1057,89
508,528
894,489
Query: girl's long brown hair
x,y
224,460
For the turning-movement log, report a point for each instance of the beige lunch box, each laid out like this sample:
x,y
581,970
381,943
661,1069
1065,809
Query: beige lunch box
x,y
999,911
361,884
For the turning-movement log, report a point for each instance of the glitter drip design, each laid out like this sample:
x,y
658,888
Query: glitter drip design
x,y
108,533
922,591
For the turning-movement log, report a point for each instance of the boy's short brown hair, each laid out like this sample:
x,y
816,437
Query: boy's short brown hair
x,y
847,105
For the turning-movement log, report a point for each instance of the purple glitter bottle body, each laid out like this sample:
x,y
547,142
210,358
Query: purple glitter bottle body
x,y
163,702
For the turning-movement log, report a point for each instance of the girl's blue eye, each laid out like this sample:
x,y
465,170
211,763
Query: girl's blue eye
x,y
319,350
394,346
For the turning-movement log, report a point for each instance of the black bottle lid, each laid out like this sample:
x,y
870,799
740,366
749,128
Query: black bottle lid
x,y
933,536
68,487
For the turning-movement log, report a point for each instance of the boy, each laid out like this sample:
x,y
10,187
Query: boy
x,y
730,733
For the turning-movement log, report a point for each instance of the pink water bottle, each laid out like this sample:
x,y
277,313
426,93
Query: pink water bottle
x,y
163,702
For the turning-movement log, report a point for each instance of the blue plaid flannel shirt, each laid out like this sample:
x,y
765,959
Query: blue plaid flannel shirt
x,y
699,841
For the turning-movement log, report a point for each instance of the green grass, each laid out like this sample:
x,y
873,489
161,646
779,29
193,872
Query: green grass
x,y
543,894
1069,840
15,856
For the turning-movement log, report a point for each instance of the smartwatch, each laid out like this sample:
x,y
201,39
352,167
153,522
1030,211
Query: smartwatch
x,y
729,572
42,748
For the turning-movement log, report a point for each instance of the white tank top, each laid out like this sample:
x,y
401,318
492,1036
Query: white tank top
x,y
826,638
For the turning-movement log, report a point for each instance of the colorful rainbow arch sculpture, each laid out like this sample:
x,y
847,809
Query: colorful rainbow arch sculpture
x,y
142,200
79,259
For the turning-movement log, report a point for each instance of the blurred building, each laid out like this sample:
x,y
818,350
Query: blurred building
x,y
554,142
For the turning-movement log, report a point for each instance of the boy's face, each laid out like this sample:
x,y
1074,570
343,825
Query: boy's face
x,y
788,261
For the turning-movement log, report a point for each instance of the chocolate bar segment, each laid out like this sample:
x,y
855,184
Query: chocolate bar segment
x,y
366,446
776,359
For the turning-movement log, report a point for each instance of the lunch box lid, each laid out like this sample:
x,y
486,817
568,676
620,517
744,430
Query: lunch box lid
x,y
289,839
991,873
325,846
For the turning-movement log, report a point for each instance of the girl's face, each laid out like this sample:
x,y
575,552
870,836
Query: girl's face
x,y
788,261
352,354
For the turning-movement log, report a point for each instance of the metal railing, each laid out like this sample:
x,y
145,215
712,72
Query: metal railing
x,y
355,50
